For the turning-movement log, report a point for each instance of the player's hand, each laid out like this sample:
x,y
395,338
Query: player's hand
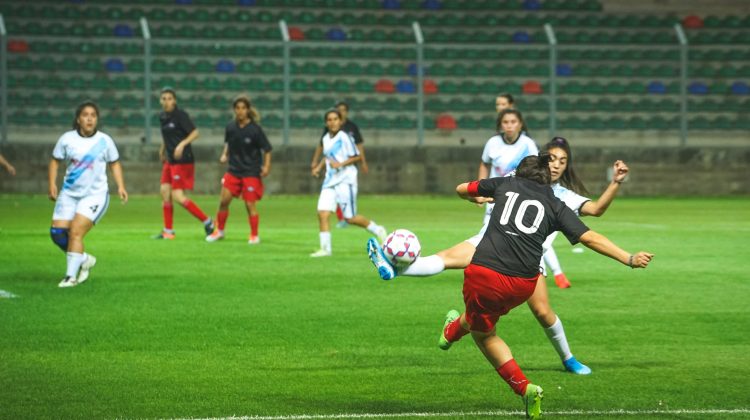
x,y
162,156
315,172
223,159
52,192
365,169
11,170
264,171
641,259
123,195
483,200
178,151
334,164
619,171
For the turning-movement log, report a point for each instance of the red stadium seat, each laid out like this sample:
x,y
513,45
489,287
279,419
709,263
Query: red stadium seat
x,y
18,46
385,86
445,122
692,22
296,34
532,87
430,87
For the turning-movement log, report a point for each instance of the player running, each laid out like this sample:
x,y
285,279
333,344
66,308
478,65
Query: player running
x,y
84,197
340,182
178,170
248,152
565,184
504,270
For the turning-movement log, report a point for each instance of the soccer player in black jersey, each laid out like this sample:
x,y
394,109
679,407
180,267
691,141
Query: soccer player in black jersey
x,y
505,266
178,169
248,152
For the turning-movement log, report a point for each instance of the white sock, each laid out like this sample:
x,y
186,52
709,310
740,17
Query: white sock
x,y
373,227
425,266
550,258
556,335
75,260
325,241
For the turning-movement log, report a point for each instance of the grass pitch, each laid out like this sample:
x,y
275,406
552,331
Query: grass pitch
x,y
185,328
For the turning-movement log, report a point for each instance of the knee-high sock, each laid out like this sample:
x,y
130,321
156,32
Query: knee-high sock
x,y
221,219
75,260
325,241
556,335
254,224
425,266
454,331
195,210
513,375
550,258
168,212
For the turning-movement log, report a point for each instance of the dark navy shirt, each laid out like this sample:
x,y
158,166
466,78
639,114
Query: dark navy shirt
x,y
175,127
246,146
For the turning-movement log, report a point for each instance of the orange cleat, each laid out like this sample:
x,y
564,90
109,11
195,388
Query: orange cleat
x,y
561,281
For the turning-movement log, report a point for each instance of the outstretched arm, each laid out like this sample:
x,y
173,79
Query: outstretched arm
x,y
604,246
598,207
463,191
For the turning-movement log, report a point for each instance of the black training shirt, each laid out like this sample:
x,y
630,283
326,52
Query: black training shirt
x,y
245,146
175,127
525,213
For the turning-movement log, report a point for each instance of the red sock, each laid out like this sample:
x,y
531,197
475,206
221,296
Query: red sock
x,y
453,331
339,213
254,225
513,376
168,211
221,219
195,210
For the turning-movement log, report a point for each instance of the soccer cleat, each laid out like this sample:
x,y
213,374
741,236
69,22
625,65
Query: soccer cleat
x,y
342,224
381,233
562,281
253,240
375,252
532,398
451,316
321,253
215,236
574,366
83,274
209,226
164,235
68,281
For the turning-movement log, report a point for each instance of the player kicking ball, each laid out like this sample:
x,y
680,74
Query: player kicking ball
x,y
505,267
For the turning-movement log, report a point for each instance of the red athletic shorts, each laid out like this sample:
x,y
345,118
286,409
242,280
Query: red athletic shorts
x,y
489,294
251,187
178,175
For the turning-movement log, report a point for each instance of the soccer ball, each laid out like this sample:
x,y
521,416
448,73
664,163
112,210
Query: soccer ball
x,y
401,247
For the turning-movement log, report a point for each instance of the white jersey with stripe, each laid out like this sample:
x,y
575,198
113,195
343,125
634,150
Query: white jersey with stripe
x,y
339,148
87,159
504,157
571,199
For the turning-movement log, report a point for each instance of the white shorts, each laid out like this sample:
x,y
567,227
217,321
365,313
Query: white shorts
x,y
474,240
547,245
92,207
345,195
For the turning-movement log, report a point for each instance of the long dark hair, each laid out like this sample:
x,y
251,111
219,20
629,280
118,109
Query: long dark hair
x,y
252,113
569,179
535,168
80,109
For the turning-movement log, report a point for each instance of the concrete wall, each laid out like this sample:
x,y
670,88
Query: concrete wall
x,y
414,170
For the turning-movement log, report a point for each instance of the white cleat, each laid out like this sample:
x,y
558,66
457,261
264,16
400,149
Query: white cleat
x,y
83,274
321,253
253,240
68,281
215,236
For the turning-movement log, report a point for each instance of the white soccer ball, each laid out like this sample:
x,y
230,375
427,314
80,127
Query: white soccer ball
x,y
401,247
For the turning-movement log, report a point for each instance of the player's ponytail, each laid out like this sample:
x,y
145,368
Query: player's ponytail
x,y
535,168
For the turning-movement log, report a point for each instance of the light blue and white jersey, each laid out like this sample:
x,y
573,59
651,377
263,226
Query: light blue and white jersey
x,y
504,157
571,199
87,159
339,148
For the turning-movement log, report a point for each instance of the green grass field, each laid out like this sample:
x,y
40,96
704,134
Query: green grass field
x,y
186,329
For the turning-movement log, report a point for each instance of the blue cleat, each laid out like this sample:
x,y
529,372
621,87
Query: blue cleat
x,y
574,366
342,224
385,269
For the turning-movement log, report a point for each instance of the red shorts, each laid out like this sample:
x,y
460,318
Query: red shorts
x,y
489,294
251,187
178,175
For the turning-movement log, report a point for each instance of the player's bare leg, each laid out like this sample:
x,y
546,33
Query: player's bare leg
x,y
370,225
253,219
192,208
225,199
325,235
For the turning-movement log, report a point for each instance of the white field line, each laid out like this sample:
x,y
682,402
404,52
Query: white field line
x,y
6,294
582,413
